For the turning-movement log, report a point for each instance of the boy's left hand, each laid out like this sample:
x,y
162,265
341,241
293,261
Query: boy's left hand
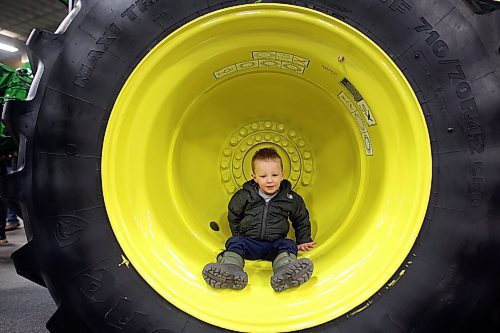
x,y
306,246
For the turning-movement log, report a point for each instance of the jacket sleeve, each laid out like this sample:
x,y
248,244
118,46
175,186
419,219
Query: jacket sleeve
x,y
236,207
300,221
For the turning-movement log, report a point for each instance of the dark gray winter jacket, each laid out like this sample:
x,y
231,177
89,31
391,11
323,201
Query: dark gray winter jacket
x,y
250,216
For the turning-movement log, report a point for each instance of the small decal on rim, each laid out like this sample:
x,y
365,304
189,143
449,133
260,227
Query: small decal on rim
x,y
367,112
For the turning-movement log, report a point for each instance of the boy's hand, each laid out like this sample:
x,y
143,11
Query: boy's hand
x,y
306,246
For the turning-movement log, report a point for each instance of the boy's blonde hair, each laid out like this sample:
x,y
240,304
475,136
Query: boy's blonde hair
x,y
266,154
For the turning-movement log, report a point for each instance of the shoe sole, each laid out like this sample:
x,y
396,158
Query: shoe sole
x,y
298,272
11,227
223,276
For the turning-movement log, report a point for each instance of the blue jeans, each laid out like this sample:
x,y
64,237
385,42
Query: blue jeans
x,y
11,216
253,249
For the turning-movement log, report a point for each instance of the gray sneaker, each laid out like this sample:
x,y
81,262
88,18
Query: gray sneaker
x,y
12,225
225,276
293,274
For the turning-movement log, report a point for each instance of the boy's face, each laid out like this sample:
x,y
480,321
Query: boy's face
x,y
268,174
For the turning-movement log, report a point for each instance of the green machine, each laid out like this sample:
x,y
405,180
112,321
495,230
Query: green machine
x,y
14,85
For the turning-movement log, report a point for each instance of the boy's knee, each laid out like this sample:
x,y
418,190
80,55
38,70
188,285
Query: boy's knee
x,y
235,240
289,242
287,245
236,244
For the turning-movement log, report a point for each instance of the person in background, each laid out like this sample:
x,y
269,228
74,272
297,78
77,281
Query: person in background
x,y
12,219
4,159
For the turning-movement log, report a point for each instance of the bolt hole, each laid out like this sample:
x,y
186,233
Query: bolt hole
x,y
451,130
214,226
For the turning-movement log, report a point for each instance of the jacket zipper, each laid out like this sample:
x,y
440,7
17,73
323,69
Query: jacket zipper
x,y
264,221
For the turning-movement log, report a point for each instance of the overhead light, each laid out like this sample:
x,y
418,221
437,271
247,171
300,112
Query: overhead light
x,y
8,48
11,34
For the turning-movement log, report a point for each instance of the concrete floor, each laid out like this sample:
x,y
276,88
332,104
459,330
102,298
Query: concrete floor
x,y
24,306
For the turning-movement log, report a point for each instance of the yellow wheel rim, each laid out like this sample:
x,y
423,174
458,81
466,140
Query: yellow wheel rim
x,y
346,122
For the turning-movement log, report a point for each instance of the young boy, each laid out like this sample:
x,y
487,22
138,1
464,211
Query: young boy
x,y
258,218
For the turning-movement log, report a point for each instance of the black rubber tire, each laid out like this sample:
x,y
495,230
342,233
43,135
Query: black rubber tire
x,y
449,55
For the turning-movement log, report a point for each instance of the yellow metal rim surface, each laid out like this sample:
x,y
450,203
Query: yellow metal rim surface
x,y
346,122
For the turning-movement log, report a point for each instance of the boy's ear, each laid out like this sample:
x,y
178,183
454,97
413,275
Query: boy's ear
x,y
253,176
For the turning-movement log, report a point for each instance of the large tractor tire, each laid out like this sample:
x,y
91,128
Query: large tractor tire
x,y
141,123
